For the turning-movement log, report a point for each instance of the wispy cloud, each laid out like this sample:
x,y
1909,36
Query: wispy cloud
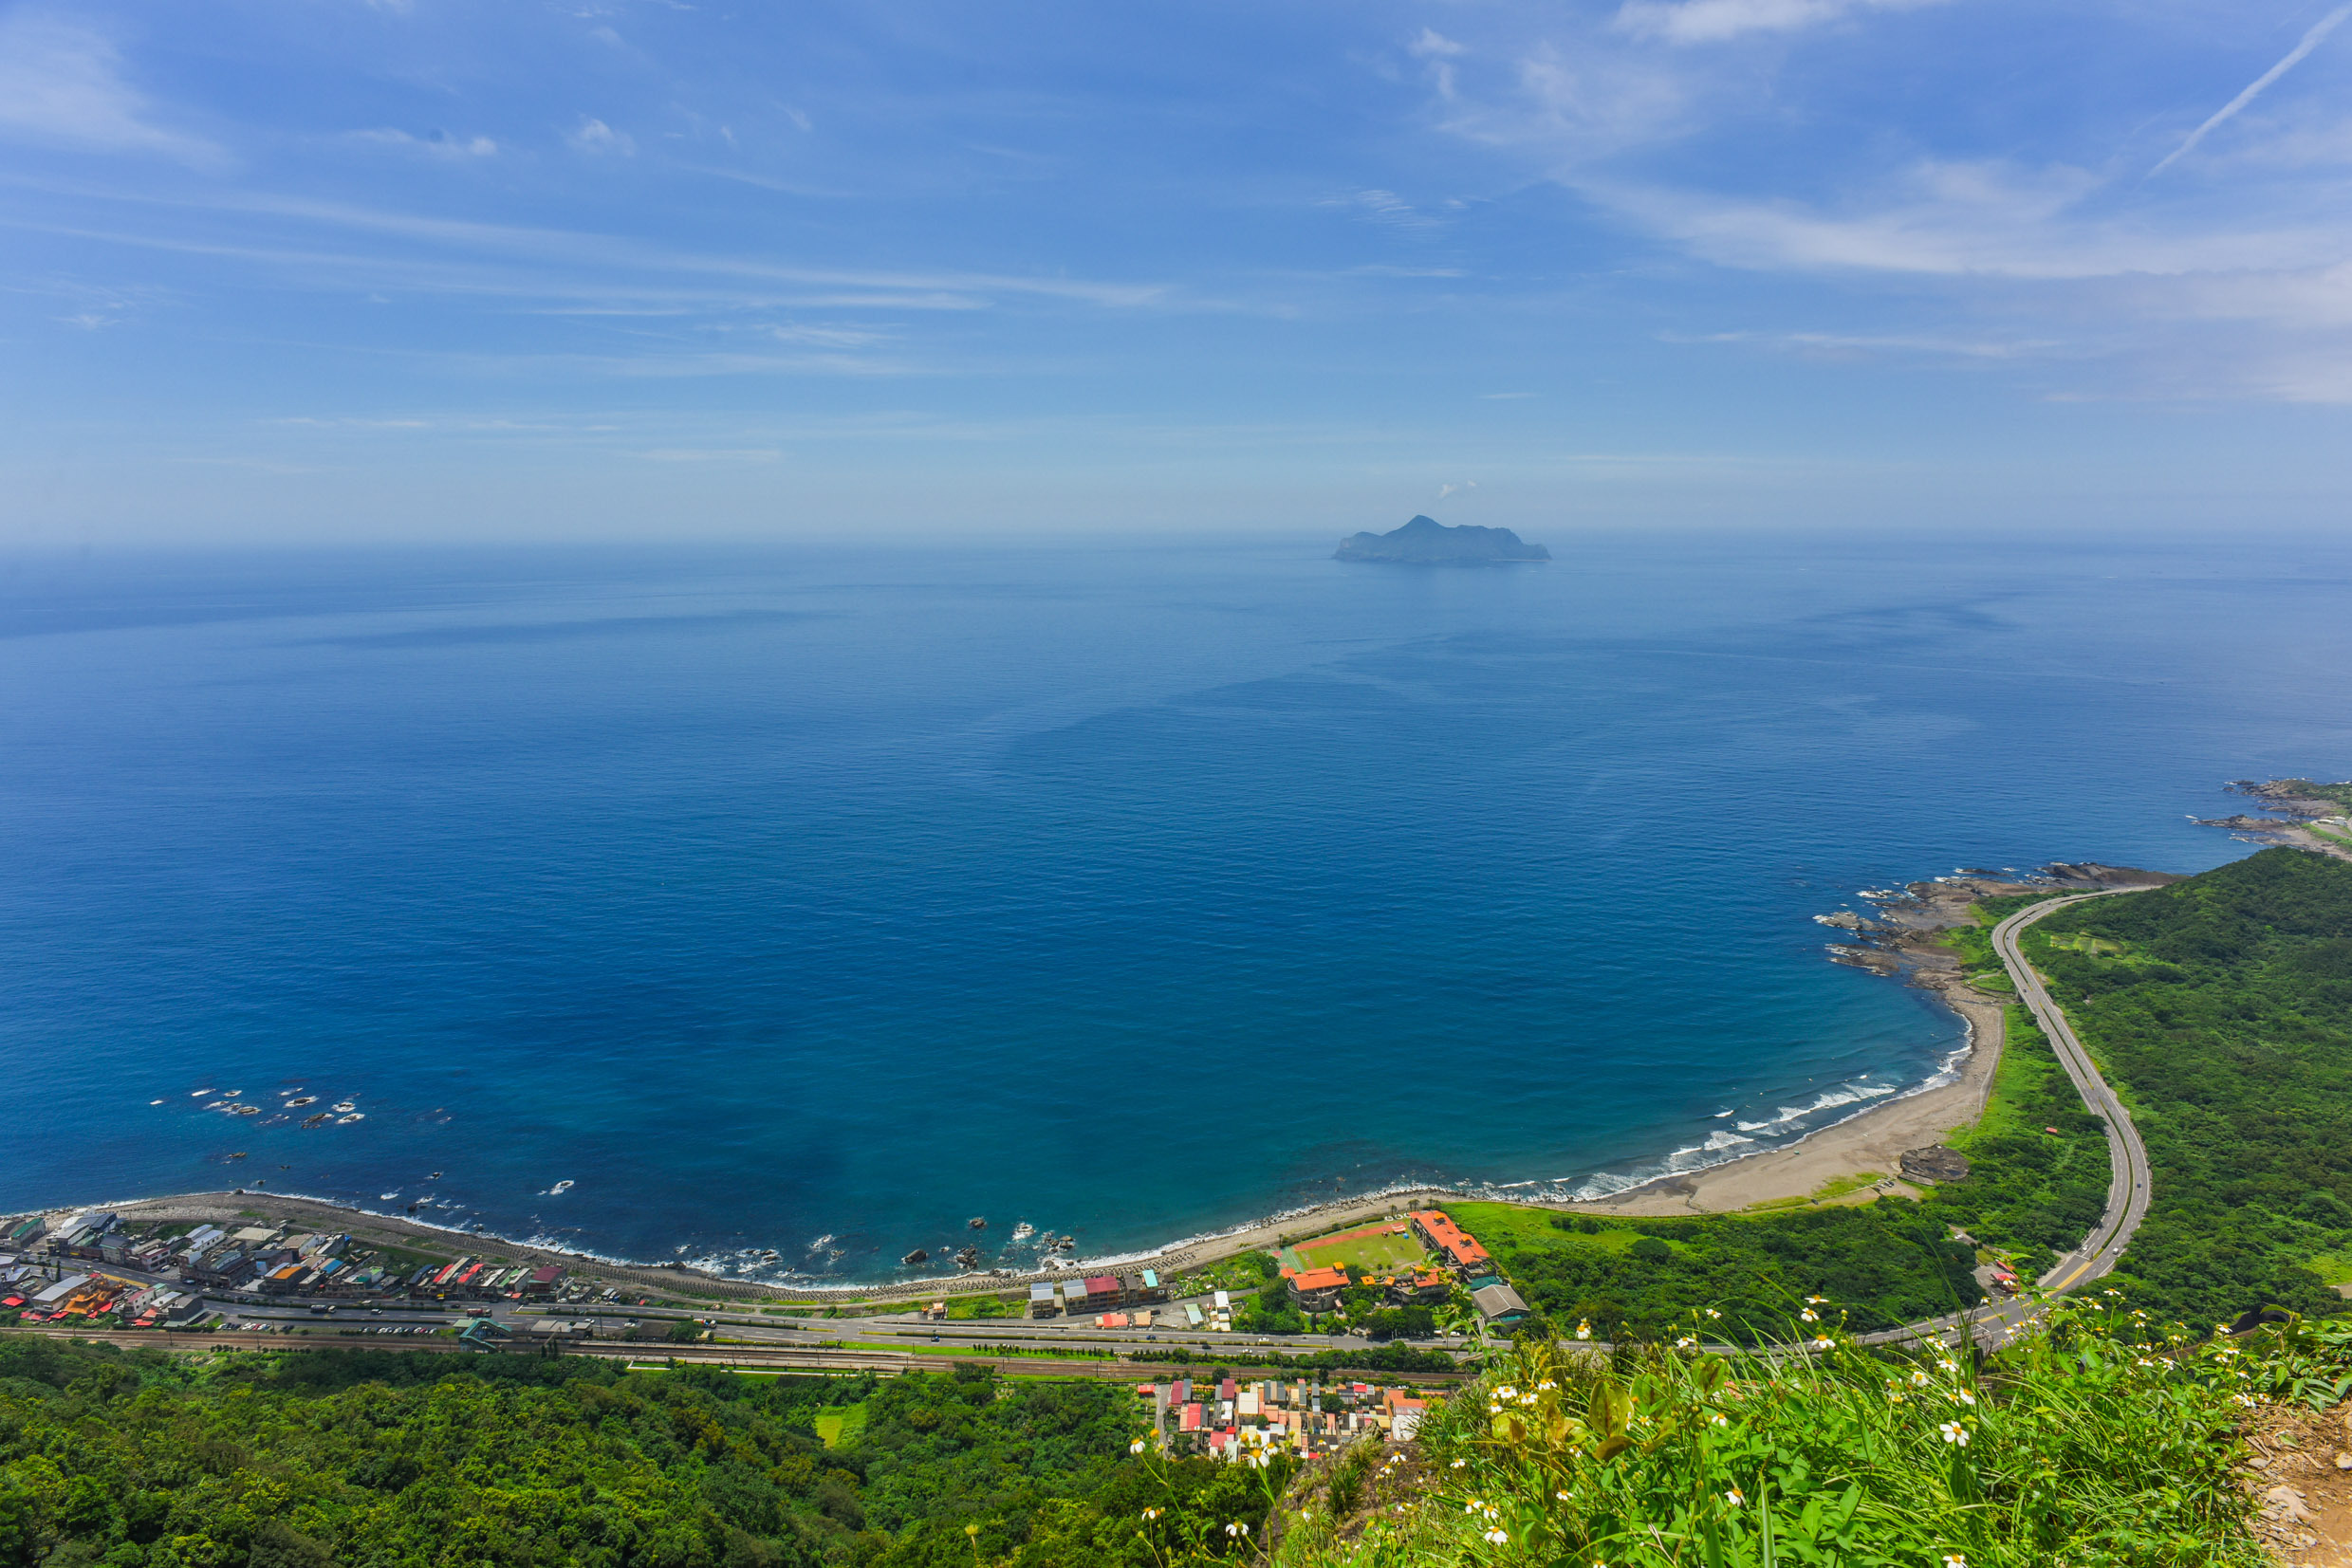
x,y
1715,20
62,85
594,136
2310,41
432,144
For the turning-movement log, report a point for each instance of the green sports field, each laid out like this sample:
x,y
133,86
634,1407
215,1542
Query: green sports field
x,y
1371,1254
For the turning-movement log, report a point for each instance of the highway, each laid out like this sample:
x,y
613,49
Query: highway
x,y
2129,1184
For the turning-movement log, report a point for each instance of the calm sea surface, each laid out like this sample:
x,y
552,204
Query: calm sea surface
x,y
821,900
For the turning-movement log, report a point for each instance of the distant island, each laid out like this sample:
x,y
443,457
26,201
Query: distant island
x,y
1426,542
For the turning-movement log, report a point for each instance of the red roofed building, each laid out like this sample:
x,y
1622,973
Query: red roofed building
x,y
1190,1422
1460,1251
1317,1289
1105,1290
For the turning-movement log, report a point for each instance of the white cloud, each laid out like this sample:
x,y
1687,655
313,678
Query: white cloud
x,y
594,136
1713,21
1387,208
1433,45
62,85
432,144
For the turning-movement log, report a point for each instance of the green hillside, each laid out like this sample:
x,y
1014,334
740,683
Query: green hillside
x,y
2221,1006
402,1461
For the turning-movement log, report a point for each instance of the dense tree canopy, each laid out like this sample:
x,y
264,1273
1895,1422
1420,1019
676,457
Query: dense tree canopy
x,y
390,1460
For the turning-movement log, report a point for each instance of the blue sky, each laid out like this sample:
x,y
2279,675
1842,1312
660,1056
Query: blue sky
x,y
332,270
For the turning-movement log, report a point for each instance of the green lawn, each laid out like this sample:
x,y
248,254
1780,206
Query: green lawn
x,y
1365,1254
836,1426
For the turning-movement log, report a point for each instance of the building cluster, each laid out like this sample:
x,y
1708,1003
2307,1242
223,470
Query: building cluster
x,y
1227,1418
1459,1257
264,1260
1102,1295
28,1290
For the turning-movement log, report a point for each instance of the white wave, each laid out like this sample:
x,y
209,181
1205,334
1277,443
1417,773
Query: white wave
x,y
1830,1100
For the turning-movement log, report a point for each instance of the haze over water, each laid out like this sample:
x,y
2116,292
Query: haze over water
x,y
1127,890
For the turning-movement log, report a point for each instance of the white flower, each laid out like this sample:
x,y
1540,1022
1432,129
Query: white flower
x,y
1733,1497
1152,1513
1953,1560
1458,1464
1919,1379
1822,1342
1949,1365
1237,1529
1818,1300
1964,1396
1808,1316
1712,1313
1561,1496
1498,1536
1473,1507
1136,1447
1685,1343
1584,1331
1955,1432
1716,1418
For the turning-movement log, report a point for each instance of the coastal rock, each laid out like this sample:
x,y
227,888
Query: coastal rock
x,y
917,1256
1426,542
1934,1164
1848,920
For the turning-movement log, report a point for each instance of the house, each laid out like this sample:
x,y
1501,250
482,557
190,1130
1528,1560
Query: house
x,y
1192,1315
1426,1288
1498,1303
1076,1297
1147,1286
1459,1250
1042,1304
1317,1289
1106,1290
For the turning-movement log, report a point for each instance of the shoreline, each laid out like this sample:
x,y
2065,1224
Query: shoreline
x,y
1902,938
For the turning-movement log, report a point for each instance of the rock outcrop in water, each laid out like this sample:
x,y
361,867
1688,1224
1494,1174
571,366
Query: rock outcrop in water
x,y
1426,542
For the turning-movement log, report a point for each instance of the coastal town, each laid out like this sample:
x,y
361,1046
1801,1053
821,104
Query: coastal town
x,y
1411,1277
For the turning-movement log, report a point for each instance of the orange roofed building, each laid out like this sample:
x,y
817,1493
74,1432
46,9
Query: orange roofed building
x,y
1456,1247
1317,1289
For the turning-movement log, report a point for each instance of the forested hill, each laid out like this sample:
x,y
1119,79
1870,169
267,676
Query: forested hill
x,y
2222,1007
302,1460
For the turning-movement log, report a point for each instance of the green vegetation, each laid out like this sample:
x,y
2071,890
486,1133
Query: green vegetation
x,y
834,1426
2090,1446
305,1459
1886,1262
2221,1006
1242,1271
2030,1193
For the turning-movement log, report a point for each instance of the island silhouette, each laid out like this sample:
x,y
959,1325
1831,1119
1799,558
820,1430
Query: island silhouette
x,y
1426,542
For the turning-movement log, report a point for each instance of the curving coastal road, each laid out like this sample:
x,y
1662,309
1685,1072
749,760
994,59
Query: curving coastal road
x,y
2129,1185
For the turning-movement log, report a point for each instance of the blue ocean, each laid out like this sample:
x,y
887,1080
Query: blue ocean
x,y
696,904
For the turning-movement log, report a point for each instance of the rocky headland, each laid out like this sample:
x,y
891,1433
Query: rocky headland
x,y
1426,542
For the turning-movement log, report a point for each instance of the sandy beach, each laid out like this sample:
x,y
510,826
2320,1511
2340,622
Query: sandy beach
x,y
1866,1144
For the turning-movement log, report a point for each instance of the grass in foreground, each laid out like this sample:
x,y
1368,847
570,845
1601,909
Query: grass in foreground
x,y
2095,1443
